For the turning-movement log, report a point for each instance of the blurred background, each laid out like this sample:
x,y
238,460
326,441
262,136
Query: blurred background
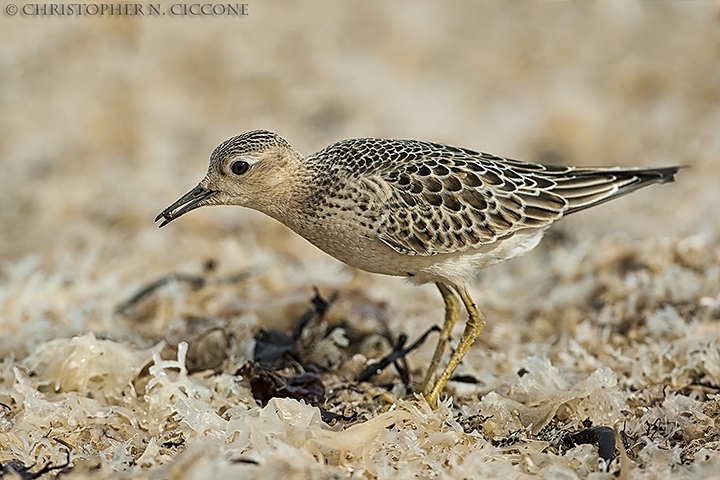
x,y
107,120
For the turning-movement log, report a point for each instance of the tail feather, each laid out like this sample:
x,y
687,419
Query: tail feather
x,y
586,187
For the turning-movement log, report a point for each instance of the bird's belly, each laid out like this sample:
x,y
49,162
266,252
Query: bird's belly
x,y
363,249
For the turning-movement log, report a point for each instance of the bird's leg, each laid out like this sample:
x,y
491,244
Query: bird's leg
x,y
475,325
452,313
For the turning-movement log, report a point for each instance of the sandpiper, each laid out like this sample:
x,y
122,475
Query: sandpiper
x,y
421,210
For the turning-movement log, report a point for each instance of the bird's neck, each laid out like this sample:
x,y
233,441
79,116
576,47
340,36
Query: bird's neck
x,y
289,204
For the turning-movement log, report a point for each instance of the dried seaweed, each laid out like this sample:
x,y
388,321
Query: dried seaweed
x,y
16,468
272,345
397,353
603,437
194,281
266,384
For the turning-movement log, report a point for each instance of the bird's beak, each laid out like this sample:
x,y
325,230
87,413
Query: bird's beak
x,y
197,197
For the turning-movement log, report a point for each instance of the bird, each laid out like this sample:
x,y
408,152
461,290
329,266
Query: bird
x,y
426,211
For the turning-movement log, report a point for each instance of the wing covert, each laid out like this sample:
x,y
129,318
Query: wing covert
x,y
451,200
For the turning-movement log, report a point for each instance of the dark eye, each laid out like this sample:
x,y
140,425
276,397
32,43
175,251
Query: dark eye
x,y
239,167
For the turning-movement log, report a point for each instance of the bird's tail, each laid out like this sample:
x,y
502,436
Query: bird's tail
x,y
587,187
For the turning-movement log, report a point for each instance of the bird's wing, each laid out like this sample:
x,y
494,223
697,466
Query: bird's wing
x,y
445,199
442,199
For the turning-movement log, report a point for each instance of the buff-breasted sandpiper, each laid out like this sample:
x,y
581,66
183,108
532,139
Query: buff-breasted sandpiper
x,y
421,210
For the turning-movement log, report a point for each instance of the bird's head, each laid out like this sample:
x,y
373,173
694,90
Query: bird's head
x,y
255,169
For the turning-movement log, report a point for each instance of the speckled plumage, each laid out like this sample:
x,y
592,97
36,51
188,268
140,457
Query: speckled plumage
x,y
426,211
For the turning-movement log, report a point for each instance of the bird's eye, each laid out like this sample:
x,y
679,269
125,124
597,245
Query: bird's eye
x,y
239,167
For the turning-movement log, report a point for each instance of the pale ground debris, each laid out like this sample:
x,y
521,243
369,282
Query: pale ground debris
x,y
612,319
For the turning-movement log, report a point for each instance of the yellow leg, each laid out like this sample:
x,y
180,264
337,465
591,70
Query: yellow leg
x,y
452,313
475,325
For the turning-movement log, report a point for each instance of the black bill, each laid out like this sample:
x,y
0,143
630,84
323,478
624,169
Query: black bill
x,y
190,201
